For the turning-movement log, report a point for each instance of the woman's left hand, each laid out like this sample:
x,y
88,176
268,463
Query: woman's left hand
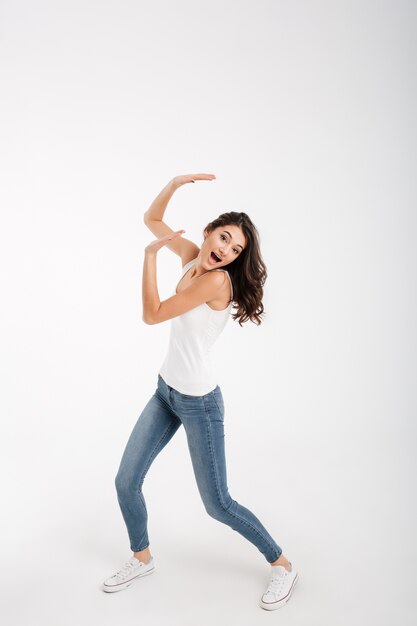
x,y
157,244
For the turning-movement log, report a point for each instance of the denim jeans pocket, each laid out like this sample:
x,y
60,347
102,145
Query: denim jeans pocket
x,y
218,400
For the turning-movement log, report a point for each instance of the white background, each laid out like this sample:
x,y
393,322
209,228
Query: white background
x,y
305,112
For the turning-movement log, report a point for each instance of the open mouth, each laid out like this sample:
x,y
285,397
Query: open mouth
x,y
215,257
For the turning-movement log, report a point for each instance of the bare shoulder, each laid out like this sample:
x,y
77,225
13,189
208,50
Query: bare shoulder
x,y
215,278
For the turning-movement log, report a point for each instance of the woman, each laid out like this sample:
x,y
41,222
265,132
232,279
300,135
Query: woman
x,y
187,393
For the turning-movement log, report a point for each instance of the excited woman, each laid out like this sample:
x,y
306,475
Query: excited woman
x,y
187,392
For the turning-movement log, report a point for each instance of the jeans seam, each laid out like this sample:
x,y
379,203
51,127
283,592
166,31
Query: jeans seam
x,y
248,524
155,451
225,508
213,464
153,454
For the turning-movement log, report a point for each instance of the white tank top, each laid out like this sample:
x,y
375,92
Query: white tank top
x,y
187,366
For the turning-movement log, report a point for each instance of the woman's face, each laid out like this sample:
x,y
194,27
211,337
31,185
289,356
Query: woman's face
x,y
225,242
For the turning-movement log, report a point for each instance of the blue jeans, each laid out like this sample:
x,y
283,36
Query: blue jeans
x,y
203,420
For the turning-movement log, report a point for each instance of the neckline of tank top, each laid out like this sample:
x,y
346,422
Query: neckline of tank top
x,y
190,263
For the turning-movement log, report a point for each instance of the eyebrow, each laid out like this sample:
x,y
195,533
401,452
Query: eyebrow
x,y
238,244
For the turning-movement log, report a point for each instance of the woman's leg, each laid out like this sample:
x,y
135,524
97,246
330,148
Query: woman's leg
x,y
154,428
203,419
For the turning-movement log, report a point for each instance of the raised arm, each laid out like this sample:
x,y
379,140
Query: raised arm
x,y
183,247
202,290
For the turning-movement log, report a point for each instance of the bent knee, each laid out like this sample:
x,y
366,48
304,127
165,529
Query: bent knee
x,y
218,510
124,485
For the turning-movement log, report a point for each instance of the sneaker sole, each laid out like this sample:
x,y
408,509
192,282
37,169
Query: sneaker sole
x,y
271,606
125,585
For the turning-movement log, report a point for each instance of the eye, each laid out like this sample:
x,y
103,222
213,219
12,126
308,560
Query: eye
x,y
237,251
222,237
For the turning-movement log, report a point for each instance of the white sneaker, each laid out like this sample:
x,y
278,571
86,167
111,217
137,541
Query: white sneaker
x,y
280,588
130,572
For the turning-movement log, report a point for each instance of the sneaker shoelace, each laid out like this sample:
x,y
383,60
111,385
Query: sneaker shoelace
x,y
276,583
127,568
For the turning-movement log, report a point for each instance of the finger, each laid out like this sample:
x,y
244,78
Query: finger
x,y
171,235
195,177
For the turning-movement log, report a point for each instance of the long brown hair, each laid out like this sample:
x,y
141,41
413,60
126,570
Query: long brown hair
x,y
247,271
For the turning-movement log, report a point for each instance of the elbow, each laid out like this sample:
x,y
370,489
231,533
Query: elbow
x,y
147,219
148,319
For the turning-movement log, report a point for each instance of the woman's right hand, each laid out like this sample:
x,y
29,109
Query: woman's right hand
x,y
191,178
